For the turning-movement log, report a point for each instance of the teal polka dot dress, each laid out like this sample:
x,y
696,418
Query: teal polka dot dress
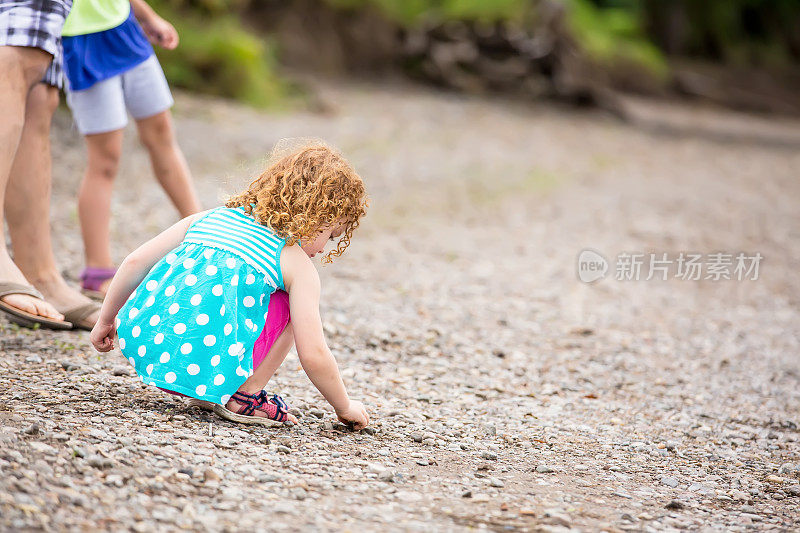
x,y
191,324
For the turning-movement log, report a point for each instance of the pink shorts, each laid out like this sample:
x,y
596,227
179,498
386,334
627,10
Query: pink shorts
x,y
277,320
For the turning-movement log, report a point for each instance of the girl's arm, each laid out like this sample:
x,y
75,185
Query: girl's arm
x,y
130,274
158,30
302,284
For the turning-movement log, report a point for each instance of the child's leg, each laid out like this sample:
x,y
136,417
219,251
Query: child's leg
x,y
272,346
168,162
94,197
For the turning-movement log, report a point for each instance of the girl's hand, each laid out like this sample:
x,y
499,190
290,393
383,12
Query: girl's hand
x,y
161,32
102,336
355,415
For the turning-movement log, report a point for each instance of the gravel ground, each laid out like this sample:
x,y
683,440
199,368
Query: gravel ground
x,y
505,393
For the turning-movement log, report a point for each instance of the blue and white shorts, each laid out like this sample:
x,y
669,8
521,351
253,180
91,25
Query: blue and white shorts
x,y
143,91
36,24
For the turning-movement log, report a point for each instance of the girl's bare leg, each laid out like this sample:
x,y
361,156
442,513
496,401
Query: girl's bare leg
x,y
94,197
264,371
169,165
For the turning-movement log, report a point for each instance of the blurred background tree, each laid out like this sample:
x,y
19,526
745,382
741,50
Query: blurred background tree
x,y
572,49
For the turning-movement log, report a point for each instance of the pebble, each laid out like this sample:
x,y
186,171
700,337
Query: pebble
x,y
496,482
544,469
669,481
489,455
281,448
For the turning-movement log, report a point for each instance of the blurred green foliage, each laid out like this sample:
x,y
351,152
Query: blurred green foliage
x,y
216,55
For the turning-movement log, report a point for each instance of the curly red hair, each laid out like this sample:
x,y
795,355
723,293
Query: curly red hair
x,y
303,191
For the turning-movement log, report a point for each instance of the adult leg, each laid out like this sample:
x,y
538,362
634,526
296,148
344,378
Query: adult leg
x,y
94,197
28,205
169,164
22,68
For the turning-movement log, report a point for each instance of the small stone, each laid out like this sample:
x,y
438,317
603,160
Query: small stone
x,y
772,478
120,371
188,471
748,509
33,429
386,476
495,482
210,474
669,481
466,494
417,436
675,505
557,518
77,451
422,462
98,461
375,468
283,449
42,447
794,490
299,493
544,469
489,455
268,478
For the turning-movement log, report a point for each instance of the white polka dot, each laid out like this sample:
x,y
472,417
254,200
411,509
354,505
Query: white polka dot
x,y
136,331
240,371
193,369
180,328
133,312
228,329
174,308
207,253
200,390
171,257
249,324
190,247
142,350
117,322
133,362
170,377
250,279
164,357
151,285
217,290
190,280
230,262
196,299
189,263
236,348
215,360
219,379
249,301
202,319
154,320
159,338
211,270
149,368
222,310
225,399
121,343
186,348
235,280
209,340
132,296
150,301
169,291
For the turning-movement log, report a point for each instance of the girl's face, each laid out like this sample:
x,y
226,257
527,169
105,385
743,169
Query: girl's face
x,y
330,232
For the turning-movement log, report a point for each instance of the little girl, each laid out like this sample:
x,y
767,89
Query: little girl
x,y
206,313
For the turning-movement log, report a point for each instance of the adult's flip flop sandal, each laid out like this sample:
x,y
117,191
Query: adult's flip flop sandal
x,y
23,318
78,315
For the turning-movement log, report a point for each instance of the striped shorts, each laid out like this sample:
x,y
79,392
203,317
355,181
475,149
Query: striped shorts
x,y
37,24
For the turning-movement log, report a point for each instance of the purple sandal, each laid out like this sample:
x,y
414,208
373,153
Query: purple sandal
x,y
92,278
276,409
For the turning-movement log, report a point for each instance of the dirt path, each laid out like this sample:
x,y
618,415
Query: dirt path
x,y
506,393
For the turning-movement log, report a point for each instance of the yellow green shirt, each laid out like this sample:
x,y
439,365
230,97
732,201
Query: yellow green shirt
x,y
92,16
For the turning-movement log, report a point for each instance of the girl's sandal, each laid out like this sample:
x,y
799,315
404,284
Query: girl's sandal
x,y
274,407
92,280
